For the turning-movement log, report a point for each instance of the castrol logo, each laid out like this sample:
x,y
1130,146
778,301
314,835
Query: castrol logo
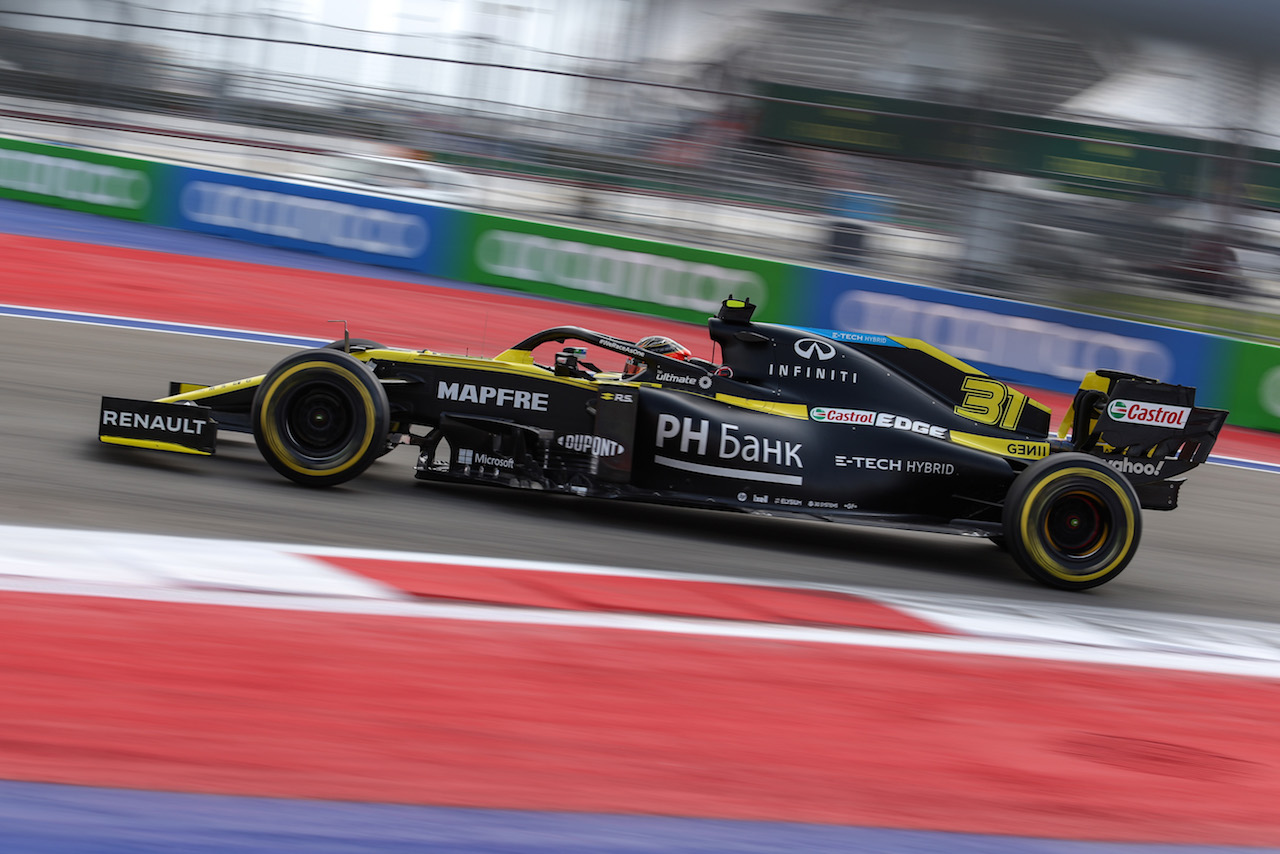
x,y
844,416
1153,414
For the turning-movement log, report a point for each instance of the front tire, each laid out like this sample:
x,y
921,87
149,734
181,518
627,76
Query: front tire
x,y
1072,522
320,417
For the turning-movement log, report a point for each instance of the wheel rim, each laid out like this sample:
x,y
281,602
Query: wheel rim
x,y
320,420
1077,524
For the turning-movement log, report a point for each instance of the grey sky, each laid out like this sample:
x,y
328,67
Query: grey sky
x,y
1244,25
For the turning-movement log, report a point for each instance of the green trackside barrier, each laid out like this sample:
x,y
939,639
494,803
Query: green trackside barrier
x,y
662,279
79,180
1249,373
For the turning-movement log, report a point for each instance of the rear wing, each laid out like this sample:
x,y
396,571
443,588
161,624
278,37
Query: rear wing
x,y
1147,430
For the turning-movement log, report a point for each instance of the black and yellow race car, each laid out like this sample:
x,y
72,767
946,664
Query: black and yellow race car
x,y
838,426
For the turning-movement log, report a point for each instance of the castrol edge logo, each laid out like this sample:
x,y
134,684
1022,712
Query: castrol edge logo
x,y
875,419
1154,414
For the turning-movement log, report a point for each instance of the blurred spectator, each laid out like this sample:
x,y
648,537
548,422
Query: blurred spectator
x,y
1208,266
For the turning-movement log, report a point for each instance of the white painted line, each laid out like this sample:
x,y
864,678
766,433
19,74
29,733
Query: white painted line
x,y
984,617
1241,463
1102,627
248,574
159,561
944,644
169,327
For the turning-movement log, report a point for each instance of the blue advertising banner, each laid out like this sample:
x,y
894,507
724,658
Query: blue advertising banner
x,y
1043,347
352,226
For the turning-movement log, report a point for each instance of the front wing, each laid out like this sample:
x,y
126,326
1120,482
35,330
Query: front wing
x,y
181,427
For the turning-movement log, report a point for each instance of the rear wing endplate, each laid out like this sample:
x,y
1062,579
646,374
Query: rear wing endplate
x,y
1146,429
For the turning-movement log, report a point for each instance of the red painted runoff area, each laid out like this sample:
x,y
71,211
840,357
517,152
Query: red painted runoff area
x,y
202,698
188,289
571,591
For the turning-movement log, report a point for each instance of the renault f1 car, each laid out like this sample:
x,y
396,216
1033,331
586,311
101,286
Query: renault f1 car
x,y
830,425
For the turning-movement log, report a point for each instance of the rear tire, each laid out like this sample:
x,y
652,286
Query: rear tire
x,y
320,417
1072,522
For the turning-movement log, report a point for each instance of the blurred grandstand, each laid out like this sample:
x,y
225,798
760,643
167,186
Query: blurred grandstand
x,y
944,143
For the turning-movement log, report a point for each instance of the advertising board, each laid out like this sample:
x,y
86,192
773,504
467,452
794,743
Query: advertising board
x,y
667,280
1044,347
1249,373
81,180
352,226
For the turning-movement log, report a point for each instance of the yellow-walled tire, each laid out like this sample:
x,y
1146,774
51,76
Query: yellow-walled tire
x,y
320,417
1071,521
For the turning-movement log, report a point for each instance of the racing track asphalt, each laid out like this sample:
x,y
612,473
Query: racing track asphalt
x,y
1214,556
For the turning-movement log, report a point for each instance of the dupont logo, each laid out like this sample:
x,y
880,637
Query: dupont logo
x,y
1154,414
597,445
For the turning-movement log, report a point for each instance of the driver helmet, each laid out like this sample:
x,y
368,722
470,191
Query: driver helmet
x,y
656,344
